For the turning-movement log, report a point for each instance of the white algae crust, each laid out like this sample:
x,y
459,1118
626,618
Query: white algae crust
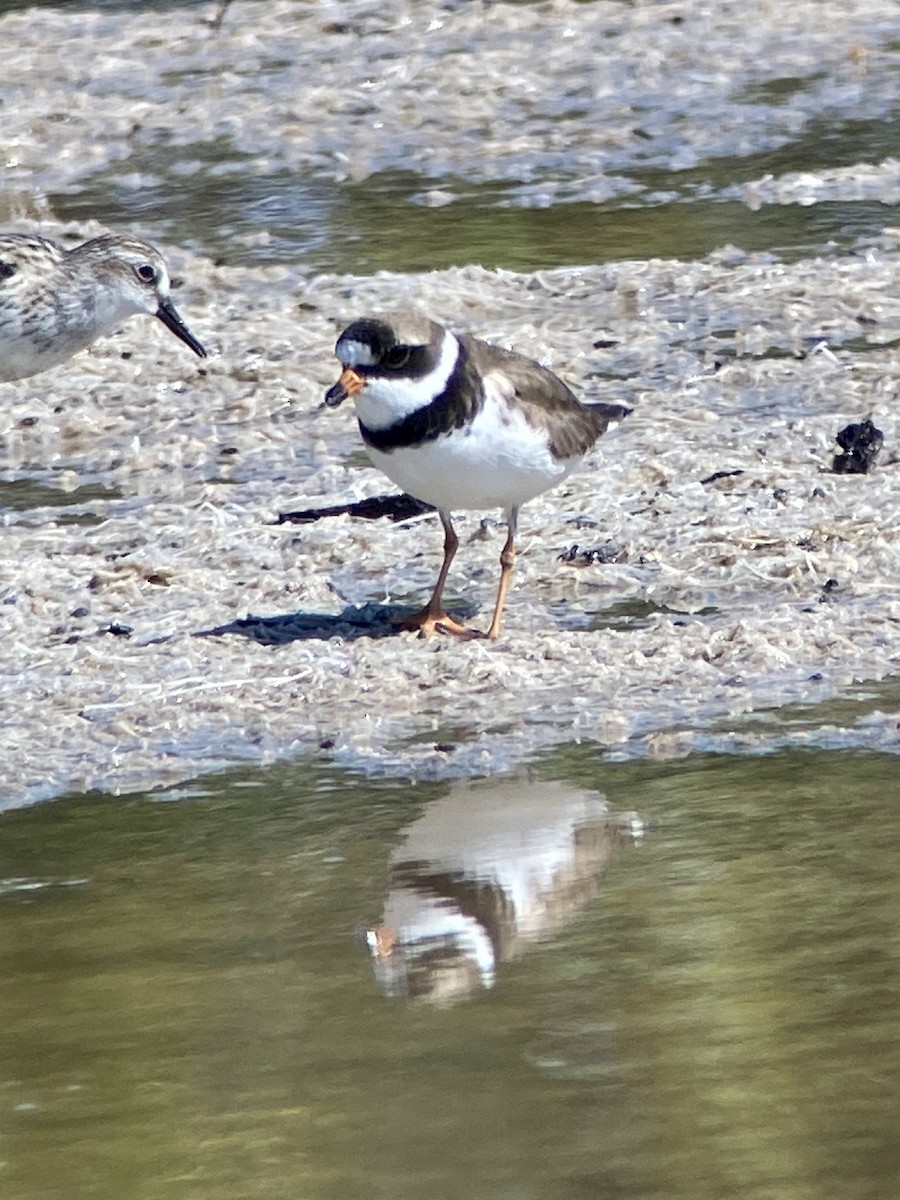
x,y
717,598
164,624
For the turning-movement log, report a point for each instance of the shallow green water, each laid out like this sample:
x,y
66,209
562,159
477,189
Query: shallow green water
x,y
189,1011
382,223
26,493
378,226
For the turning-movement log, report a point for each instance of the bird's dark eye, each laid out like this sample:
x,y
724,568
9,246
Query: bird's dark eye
x,y
145,273
397,356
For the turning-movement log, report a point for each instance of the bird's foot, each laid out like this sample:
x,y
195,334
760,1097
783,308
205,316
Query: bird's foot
x,y
429,621
381,940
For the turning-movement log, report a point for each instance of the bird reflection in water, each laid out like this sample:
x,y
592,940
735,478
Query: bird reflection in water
x,y
484,873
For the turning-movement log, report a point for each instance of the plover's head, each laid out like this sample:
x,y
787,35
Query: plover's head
x,y
385,353
135,279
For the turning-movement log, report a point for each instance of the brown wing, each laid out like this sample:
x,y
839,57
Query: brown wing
x,y
545,399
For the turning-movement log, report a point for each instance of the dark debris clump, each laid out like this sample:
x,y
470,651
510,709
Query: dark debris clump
x,y
861,444
591,556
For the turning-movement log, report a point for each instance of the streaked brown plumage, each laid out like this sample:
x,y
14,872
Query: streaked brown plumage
x,y
55,302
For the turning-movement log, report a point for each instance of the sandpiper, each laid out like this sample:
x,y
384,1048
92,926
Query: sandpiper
x,y
460,423
55,302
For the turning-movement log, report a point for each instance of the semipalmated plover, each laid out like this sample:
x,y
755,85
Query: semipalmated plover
x,y
460,423
55,302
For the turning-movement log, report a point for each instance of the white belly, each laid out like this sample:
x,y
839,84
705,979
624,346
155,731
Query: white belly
x,y
23,356
499,461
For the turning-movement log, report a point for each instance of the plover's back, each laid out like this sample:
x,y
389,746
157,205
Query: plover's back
x,y
55,302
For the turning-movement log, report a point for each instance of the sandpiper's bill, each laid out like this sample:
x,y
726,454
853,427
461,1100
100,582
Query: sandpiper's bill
x,y
460,423
55,302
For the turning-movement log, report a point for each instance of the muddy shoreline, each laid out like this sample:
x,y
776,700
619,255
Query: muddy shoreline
x,y
717,522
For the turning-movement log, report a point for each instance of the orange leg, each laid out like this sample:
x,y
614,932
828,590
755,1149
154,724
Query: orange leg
x,y
507,562
432,617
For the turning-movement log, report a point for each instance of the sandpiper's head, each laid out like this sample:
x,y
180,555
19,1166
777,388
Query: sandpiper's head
x,y
390,349
137,276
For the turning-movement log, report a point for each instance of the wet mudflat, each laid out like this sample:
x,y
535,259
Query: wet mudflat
x,y
606,909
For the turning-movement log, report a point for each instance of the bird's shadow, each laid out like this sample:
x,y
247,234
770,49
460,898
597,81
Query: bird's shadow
x,y
365,621
368,620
